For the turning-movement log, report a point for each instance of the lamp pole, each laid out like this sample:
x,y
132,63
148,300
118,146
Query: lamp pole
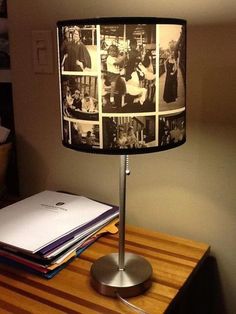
x,y
124,171
123,274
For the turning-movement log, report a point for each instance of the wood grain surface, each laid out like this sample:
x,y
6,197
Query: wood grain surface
x,y
174,261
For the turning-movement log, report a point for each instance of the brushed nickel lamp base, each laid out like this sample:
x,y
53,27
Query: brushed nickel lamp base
x,y
125,274
109,280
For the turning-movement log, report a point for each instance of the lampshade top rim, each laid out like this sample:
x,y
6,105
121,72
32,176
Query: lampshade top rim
x,y
122,20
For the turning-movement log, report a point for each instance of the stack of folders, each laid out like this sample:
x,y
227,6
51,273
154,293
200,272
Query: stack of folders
x,y
45,232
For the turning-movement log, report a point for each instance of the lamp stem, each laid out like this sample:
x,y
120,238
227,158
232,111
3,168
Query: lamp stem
x,y
123,173
118,273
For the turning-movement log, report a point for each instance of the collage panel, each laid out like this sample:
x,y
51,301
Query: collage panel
x,y
81,134
80,97
128,132
78,48
172,129
128,64
172,68
109,96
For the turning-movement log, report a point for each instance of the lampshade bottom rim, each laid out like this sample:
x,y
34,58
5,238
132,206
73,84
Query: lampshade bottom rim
x,y
108,280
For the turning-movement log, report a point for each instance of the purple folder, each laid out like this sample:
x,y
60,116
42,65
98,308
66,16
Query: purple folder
x,y
52,246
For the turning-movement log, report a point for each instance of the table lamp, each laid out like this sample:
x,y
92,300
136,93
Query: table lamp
x,y
122,91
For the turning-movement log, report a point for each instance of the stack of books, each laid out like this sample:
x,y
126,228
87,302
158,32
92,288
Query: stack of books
x,y
45,232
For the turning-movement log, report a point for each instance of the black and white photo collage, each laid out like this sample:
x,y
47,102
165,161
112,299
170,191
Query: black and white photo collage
x,y
122,85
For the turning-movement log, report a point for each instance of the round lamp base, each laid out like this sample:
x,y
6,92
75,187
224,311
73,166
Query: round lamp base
x,y
108,280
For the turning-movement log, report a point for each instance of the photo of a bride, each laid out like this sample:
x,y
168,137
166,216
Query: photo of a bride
x,y
172,67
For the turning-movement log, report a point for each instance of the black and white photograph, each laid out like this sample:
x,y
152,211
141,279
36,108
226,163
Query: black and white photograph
x,y
65,130
128,58
80,97
84,134
128,132
171,129
171,67
78,48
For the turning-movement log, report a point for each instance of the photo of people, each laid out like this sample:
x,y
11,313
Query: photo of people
x,y
78,48
80,97
128,55
171,67
82,134
171,129
109,77
128,132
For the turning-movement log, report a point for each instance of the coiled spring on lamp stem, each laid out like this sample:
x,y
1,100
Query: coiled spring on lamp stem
x,y
127,171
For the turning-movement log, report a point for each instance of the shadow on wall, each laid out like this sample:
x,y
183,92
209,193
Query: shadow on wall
x,y
204,293
35,170
7,120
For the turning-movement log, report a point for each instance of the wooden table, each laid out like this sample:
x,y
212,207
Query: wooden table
x,y
174,260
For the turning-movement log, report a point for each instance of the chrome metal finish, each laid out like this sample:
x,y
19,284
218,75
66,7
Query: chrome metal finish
x,y
124,273
123,163
108,279
127,171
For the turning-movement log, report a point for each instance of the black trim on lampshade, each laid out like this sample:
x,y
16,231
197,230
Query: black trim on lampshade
x,y
139,108
123,20
124,151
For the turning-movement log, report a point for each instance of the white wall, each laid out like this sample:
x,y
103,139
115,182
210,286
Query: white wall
x,y
189,191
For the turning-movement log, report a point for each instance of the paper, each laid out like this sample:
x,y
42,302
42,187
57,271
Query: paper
x,y
37,221
79,239
78,231
110,227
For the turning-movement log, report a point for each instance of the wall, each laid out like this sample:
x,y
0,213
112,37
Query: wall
x,y
189,191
